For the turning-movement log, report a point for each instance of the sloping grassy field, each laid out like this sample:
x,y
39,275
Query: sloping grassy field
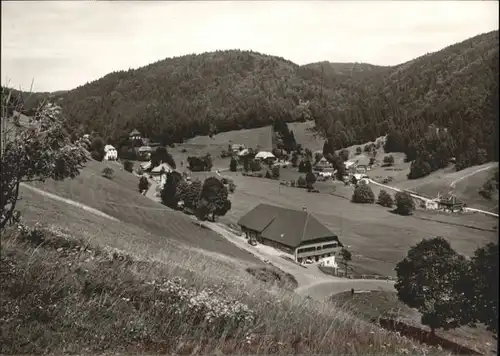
x,y
305,136
65,296
85,283
259,138
119,198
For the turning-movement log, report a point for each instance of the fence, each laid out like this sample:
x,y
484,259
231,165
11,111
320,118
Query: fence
x,y
331,271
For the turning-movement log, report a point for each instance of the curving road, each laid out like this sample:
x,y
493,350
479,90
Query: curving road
x,y
312,282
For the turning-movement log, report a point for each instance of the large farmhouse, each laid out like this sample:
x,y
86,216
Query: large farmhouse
x,y
294,231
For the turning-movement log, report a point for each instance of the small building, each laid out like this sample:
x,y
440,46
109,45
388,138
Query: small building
x,y
160,173
431,205
236,147
323,163
244,152
146,166
361,168
350,166
329,262
358,178
110,153
144,152
296,232
265,156
135,135
162,168
450,202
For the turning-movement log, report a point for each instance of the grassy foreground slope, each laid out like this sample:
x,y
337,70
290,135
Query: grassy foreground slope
x,y
66,296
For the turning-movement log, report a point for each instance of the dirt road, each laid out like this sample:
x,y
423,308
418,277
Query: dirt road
x,y
452,185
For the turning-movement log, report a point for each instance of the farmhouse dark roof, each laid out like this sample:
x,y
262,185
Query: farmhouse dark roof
x,y
286,226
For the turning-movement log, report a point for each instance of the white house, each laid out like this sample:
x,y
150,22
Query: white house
x,y
265,156
110,153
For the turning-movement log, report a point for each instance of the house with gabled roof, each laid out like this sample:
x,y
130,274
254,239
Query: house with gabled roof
x,y
135,135
296,232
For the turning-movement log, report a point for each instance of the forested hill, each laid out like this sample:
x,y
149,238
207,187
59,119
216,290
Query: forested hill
x,y
441,105
177,98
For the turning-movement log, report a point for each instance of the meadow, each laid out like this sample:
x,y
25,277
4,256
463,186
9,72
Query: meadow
x,y
101,285
377,237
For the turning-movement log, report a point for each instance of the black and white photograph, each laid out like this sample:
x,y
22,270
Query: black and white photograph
x,y
249,177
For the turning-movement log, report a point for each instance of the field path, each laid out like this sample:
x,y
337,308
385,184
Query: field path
x,y
452,185
68,201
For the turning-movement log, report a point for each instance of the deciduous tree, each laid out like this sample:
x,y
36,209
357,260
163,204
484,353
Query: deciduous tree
x,y
404,203
35,153
363,194
385,199
429,280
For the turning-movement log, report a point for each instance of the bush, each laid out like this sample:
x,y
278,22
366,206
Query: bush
x,y
255,166
275,172
97,156
388,160
108,173
143,184
385,199
128,166
363,194
301,182
233,166
305,166
372,161
404,203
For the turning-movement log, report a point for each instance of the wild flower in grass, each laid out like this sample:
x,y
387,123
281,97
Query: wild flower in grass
x,y
208,306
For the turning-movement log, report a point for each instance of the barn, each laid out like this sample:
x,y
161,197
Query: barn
x,y
296,232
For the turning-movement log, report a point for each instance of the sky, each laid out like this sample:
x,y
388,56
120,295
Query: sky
x,y
63,44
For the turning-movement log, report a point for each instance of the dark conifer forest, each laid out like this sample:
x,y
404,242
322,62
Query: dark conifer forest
x,y
433,108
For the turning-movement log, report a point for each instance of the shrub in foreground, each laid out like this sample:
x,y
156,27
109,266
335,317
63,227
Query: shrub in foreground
x,y
121,305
